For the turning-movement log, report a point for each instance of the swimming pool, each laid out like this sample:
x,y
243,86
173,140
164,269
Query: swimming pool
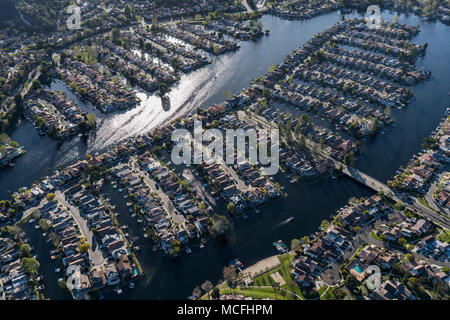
x,y
358,268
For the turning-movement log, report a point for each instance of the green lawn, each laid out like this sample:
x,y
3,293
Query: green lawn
x,y
256,293
262,284
424,202
445,236
285,271
328,295
322,289
373,235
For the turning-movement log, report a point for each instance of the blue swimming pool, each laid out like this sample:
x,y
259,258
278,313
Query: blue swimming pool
x,y
358,269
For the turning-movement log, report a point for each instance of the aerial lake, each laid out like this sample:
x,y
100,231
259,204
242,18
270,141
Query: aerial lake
x,y
250,239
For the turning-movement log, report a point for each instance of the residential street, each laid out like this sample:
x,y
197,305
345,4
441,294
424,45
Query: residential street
x,y
429,195
168,204
95,253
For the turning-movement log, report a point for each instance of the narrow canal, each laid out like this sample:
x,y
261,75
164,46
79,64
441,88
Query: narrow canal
x,y
250,239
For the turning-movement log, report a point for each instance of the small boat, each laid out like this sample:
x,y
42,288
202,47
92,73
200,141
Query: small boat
x,y
12,164
31,221
131,286
290,219
257,211
236,263
280,246
202,246
119,291
36,227
188,250
57,270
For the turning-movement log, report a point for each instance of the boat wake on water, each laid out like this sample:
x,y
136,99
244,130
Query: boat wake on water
x,y
291,218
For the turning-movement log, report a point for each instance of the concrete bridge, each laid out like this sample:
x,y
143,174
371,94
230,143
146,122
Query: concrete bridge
x,y
361,177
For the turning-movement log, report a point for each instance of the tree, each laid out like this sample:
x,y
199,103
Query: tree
x,y
430,143
89,123
25,250
36,84
388,111
348,158
398,205
339,293
50,196
305,118
163,89
176,248
297,129
324,225
403,242
231,208
266,93
376,126
215,293
84,248
207,286
91,119
305,240
129,12
73,85
295,244
197,292
115,35
30,266
18,99
44,225
229,273
320,55
38,121
220,223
